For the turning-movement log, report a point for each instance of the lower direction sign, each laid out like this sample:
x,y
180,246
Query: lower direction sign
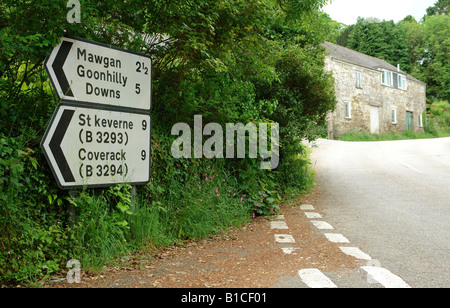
x,y
92,147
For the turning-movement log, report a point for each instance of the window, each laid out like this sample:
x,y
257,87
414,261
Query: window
x,y
348,110
394,116
386,78
401,82
358,79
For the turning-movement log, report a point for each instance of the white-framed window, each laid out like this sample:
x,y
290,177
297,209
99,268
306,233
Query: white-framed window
x,y
402,82
394,116
386,78
358,79
348,110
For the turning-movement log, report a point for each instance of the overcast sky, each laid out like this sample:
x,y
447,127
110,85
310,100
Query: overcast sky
x,y
347,11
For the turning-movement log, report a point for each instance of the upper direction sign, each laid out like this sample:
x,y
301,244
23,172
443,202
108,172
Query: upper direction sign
x,y
85,71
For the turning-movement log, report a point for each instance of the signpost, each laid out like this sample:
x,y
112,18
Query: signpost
x,y
84,71
100,134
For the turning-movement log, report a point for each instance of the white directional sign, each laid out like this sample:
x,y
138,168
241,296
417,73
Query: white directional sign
x,y
84,71
93,147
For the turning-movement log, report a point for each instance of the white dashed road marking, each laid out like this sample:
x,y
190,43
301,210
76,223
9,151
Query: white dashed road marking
x,y
336,238
314,278
322,225
284,238
307,207
290,250
385,277
281,225
311,215
355,252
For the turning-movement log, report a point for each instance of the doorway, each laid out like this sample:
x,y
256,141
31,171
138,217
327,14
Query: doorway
x,y
409,120
374,120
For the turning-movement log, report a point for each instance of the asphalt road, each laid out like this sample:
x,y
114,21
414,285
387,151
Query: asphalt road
x,y
391,199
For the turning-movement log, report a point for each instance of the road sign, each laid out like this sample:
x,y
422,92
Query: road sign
x,y
95,147
90,72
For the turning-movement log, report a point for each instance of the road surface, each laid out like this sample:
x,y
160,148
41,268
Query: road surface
x,y
391,199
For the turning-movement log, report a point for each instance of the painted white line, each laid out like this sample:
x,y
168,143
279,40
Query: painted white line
x,y
314,278
311,215
306,207
409,166
322,225
355,252
281,225
284,238
385,277
336,238
290,250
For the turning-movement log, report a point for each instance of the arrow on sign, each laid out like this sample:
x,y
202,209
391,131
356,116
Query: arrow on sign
x,y
58,67
55,145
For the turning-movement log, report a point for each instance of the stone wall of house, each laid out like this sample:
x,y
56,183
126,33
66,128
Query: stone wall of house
x,y
372,93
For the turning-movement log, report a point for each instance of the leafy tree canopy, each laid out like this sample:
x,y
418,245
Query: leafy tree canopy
x,y
420,47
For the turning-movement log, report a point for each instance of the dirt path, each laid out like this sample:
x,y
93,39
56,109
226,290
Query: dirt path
x,y
248,257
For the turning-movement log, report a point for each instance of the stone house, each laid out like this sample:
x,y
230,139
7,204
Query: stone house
x,y
373,95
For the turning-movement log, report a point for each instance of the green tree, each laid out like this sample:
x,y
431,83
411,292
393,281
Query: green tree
x,y
381,39
435,66
228,60
439,8
415,38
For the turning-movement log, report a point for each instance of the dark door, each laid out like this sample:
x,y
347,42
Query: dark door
x,y
409,120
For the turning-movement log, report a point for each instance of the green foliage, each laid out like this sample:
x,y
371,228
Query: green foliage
x,y
435,65
101,228
31,239
439,8
228,60
381,39
438,120
420,47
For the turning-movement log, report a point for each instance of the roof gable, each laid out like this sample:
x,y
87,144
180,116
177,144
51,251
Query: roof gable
x,y
354,57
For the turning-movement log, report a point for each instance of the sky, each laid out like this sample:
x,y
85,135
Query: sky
x,y
347,11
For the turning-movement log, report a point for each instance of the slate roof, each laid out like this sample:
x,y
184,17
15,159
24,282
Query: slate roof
x,y
354,57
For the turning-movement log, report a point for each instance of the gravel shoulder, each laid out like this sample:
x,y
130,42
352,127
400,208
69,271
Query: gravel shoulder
x,y
248,257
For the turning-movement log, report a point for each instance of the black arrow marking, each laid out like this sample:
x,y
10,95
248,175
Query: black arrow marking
x,y
55,145
58,64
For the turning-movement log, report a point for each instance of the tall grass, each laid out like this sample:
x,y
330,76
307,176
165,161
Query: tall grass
x,y
99,234
365,136
200,207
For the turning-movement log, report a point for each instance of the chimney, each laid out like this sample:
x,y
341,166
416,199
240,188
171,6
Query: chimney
x,y
398,68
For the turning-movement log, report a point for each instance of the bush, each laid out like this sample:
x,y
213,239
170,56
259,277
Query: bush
x,y
32,236
261,65
438,120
